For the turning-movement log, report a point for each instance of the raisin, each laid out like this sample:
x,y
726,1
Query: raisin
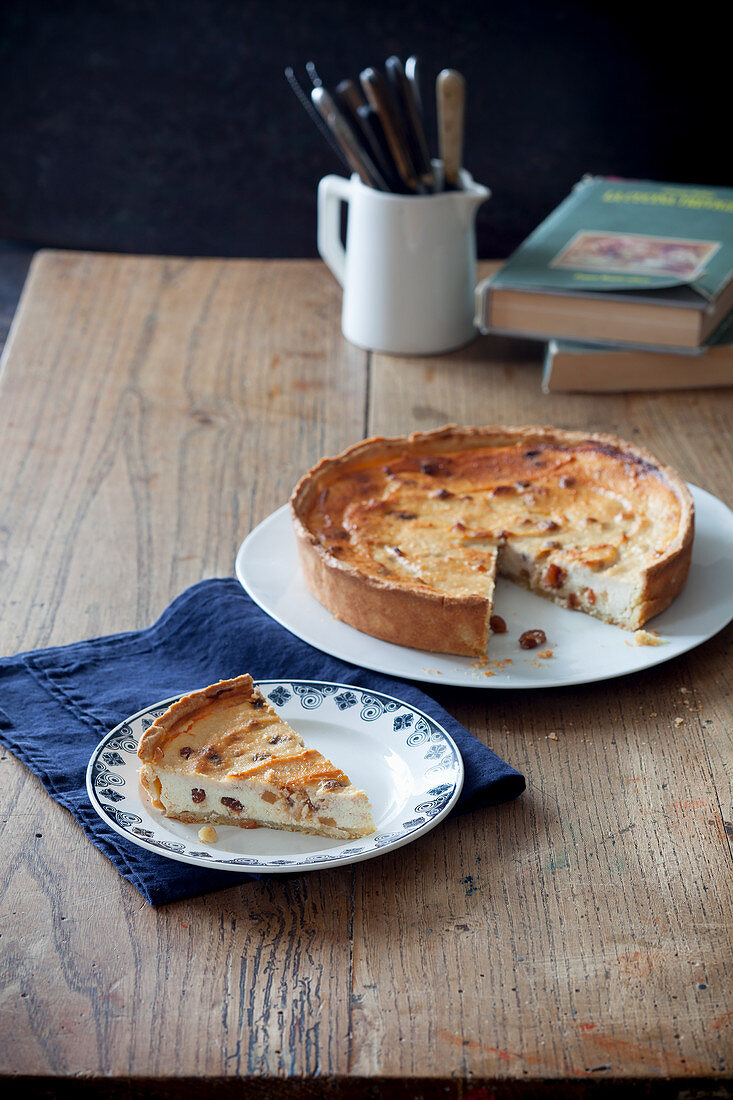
x,y
397,552
197,794
573,601
549,525
406,515
185,752
213,756
589,595
502,490
531,454
458,526
274,740
522,484
497,624
532,638
233,803
261,756
332,784
441,494
567,482
257,703
430,467
555,576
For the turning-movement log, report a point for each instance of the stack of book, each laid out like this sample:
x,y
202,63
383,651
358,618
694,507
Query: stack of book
x,y
631,285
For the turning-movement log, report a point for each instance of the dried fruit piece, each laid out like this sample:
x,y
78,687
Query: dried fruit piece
x,y
555,576
532,638
232,803
197,794
497,624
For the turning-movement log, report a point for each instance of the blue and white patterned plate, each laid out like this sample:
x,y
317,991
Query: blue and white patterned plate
x,y
408,765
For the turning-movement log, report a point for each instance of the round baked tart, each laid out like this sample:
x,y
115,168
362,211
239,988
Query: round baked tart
x,y
403,537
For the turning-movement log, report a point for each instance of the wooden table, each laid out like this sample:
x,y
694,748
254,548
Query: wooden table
x,y
151,412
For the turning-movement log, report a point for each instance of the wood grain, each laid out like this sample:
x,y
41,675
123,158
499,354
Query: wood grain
x,y
153,411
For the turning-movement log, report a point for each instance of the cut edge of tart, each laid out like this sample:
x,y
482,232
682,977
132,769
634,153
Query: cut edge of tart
x,y
389,592
223,756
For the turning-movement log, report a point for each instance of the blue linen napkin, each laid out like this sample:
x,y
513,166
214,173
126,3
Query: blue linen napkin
x,y
56,705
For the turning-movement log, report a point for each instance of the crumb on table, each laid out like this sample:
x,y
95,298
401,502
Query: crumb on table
x,y
208,834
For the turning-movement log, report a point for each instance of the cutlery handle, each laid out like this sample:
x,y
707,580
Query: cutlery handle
x,y
377,143
363,121
349,98
377,93
450,91
411,120
412,74
357,157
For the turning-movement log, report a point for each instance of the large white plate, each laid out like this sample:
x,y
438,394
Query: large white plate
x,y
584,650
407,763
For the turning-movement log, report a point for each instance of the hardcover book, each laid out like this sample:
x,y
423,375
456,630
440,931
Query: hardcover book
x,y
591,368
620,261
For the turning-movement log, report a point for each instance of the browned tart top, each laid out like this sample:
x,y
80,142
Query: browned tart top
x,y
431,509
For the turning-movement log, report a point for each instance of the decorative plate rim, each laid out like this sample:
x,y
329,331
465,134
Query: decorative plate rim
x,y
425,809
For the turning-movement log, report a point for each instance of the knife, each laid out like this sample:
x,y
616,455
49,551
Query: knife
x,y
374,135
360,116
366,126
411,72
356,155
377,93
450,92
411,120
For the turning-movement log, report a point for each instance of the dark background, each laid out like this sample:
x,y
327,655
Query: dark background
x,y
168,126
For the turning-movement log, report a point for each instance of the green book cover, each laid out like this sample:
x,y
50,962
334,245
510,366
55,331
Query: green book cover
x,y
668,241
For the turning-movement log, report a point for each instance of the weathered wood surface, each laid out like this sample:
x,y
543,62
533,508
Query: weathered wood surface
x,y
152,411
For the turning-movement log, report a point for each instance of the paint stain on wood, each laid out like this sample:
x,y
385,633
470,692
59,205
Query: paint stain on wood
x,y
625,1053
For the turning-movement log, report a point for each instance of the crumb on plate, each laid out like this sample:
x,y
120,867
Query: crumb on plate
x,y
648,637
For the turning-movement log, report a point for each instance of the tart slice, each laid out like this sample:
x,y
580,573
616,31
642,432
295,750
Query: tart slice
x,y
223,756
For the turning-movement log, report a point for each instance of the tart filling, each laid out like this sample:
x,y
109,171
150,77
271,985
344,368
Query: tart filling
x,y
427,521
223,756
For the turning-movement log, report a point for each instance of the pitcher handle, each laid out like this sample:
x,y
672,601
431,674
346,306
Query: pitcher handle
x,y
332,191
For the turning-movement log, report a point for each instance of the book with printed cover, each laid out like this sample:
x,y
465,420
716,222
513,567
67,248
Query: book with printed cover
x,y
592,368
620,262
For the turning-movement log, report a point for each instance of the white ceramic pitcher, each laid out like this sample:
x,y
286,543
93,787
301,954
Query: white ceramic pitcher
x,y
409,266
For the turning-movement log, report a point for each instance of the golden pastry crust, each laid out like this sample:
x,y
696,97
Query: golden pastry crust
x,y
155,737
527,496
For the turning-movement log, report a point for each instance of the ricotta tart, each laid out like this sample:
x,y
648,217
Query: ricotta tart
x,y
222,756
403,537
